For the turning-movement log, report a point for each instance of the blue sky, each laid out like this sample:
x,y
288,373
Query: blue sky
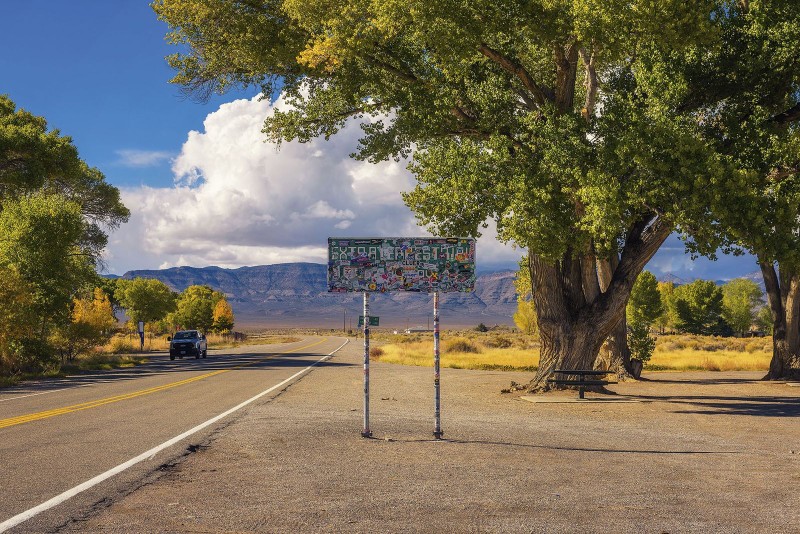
x,y
96,70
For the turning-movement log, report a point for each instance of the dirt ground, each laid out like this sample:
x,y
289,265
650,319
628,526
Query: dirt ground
x,y
689,452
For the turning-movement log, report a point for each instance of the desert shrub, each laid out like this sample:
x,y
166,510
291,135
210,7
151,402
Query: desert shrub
x,y
757,345
375,353
481,328
640,342
460,344
121,344
32,355
498,342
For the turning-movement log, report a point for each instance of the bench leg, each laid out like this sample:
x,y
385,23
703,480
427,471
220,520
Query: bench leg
x,y
580,392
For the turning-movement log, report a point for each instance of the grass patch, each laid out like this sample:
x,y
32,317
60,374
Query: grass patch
x,y
700,360
510,351
102,362
475,356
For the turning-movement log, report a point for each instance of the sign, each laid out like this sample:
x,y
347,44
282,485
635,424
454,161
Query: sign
x,y
141,327
378,265
373,321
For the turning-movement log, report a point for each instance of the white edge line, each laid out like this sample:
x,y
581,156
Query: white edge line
x,y
58,499
41,393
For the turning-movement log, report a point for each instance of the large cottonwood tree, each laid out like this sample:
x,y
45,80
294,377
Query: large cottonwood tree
x,y
747,91
553,118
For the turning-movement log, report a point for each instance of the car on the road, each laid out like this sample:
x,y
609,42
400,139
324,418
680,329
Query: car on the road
x,y
186,343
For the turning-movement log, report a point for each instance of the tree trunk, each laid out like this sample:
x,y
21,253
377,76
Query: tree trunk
x,y
783,295
619,355
574,318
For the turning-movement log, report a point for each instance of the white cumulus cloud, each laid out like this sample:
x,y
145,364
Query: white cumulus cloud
x,y
238,200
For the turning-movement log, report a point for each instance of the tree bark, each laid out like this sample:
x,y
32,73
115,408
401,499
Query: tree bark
x,y
783,296
619,355
575,319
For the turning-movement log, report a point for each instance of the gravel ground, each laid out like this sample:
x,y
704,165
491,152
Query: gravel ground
x,y
695,452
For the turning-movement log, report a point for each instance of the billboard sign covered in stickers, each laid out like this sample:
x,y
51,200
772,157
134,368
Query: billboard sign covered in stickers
x,y
425,264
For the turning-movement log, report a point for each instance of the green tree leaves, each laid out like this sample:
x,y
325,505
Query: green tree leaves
x,y
33,159
740,297
42,241
644,305
223,317
145,299
699,307
195,308
54,214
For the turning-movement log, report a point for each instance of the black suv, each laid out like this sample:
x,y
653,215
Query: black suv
x,y
188,342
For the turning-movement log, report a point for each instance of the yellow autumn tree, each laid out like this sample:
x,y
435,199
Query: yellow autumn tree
x,y
17,319
525,316
92,323
223,317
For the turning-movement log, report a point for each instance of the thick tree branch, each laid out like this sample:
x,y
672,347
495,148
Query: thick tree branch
x,y
592,83
391,69
566,73
540,94
790,115
591,282
644,238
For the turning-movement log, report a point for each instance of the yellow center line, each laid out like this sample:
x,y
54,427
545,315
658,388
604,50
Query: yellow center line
x,y
11,421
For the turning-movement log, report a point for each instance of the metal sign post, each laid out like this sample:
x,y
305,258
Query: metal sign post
x,y
437,429
366,431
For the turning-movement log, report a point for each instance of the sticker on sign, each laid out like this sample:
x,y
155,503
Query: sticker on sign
x,y
382,264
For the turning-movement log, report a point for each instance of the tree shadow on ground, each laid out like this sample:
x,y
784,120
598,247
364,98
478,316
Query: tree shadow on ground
x,y
701,381
558,447
764,406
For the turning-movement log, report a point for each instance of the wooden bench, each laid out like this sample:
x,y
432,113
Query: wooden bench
x,y
595,379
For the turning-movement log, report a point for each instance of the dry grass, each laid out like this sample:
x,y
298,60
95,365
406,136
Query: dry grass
x,y
102,362
514,351
710,353
475,357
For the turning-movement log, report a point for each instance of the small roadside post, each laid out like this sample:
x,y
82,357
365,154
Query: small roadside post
x,y
141,336
365,432
437,416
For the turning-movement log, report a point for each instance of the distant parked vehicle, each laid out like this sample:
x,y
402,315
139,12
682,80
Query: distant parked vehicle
x,y
187,343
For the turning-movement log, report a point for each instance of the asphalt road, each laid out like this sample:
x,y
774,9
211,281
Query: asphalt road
x,y
57,435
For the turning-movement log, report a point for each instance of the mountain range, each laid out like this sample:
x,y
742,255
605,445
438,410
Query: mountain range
x,y
295,294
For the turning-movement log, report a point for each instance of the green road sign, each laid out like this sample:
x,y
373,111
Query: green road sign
x,y
373,321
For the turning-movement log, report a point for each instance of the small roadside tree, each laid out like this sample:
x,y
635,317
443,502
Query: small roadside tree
x,y
223,317
195,307
699,307
644,308
145,299
42,241
91,325
525,316
17,318
740,297
668,320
